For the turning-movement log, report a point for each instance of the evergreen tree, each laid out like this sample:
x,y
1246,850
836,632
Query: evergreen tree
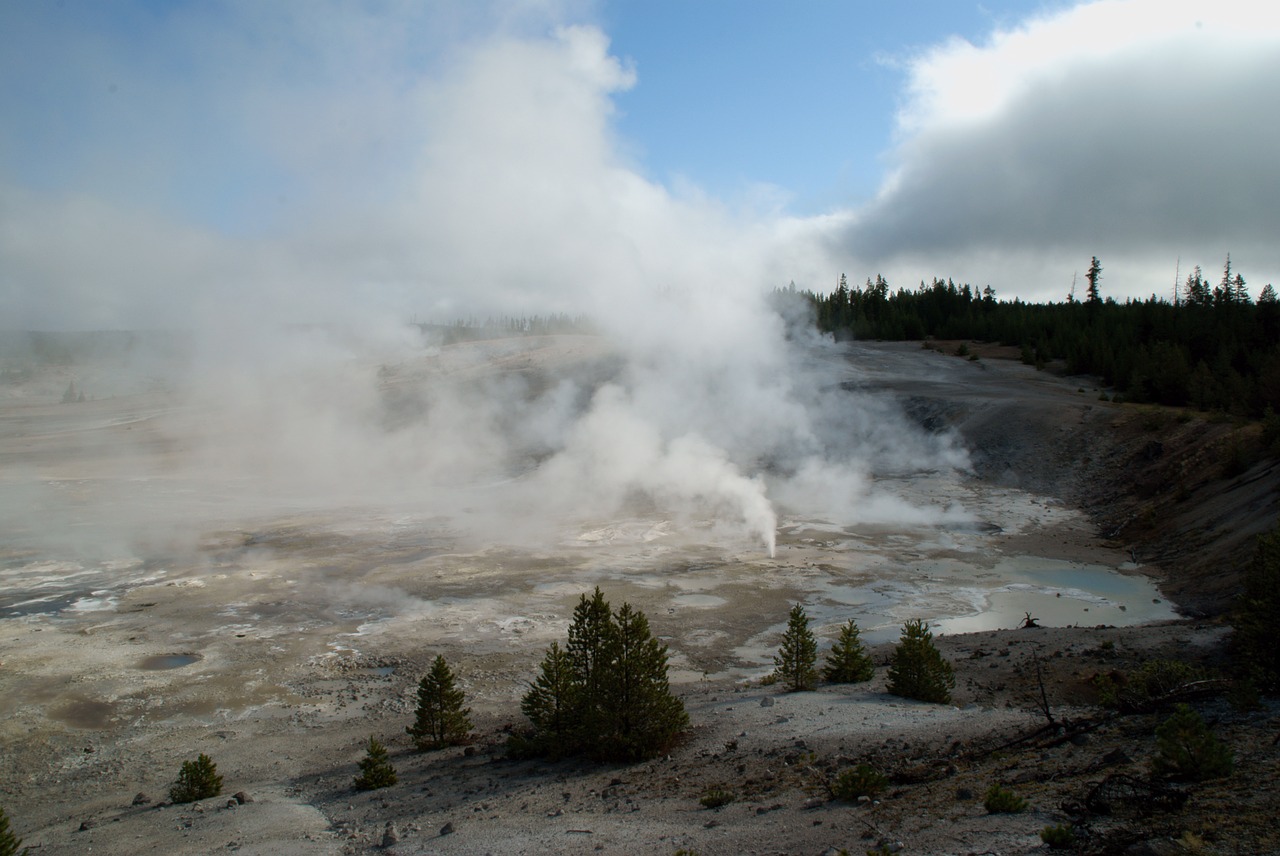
x,y
1268,294
9,843
796,659
1188,751
551,704
918,670
1197,288
440,719
375,768
1241,292
647,718
1225,293
197,780
1094,296
847,661
606,694
588,657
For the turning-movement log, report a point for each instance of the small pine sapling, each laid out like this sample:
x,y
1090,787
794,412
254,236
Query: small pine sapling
x,y
197,780
796,659
9,843
999,800
375,768
860,781
716,797
847,661
918,670
1187,749
1059,837
440,719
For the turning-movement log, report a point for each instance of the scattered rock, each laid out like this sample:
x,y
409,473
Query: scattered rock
x,y
447,829
141,799
231,803
391,835
767,701
88,823
814,802
242,798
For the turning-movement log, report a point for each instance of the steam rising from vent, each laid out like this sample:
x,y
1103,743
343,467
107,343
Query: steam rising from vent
x,y
694,402
613,451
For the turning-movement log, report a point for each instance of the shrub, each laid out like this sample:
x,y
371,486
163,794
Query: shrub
x,y
860,781
1152,681
918,670
197,780
9,843
999,800
796,658
716,798
1188,751
847,661
1061,837
605,694
375,768
440,719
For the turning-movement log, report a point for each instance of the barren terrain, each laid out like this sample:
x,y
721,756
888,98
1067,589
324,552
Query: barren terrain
x,y
278,634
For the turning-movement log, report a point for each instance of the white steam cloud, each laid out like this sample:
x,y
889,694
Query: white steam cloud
x,y
306,386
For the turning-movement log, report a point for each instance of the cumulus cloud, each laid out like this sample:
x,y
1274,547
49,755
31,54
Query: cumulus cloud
x,y
1131,129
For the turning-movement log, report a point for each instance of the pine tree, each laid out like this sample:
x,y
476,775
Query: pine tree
x,y
1241,291
1188,751
440,718
551,704
197,780
588,657
796,659
1225,293
1094,296
847,661
647,718
375,768
9,843
918,670
606,694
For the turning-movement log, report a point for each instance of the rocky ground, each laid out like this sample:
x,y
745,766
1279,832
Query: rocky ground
x,y
94,731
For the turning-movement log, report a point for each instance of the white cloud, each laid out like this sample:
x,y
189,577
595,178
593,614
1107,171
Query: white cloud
x,y
1139,131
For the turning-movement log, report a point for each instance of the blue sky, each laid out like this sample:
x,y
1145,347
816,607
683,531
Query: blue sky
x,y
323,158
799,96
